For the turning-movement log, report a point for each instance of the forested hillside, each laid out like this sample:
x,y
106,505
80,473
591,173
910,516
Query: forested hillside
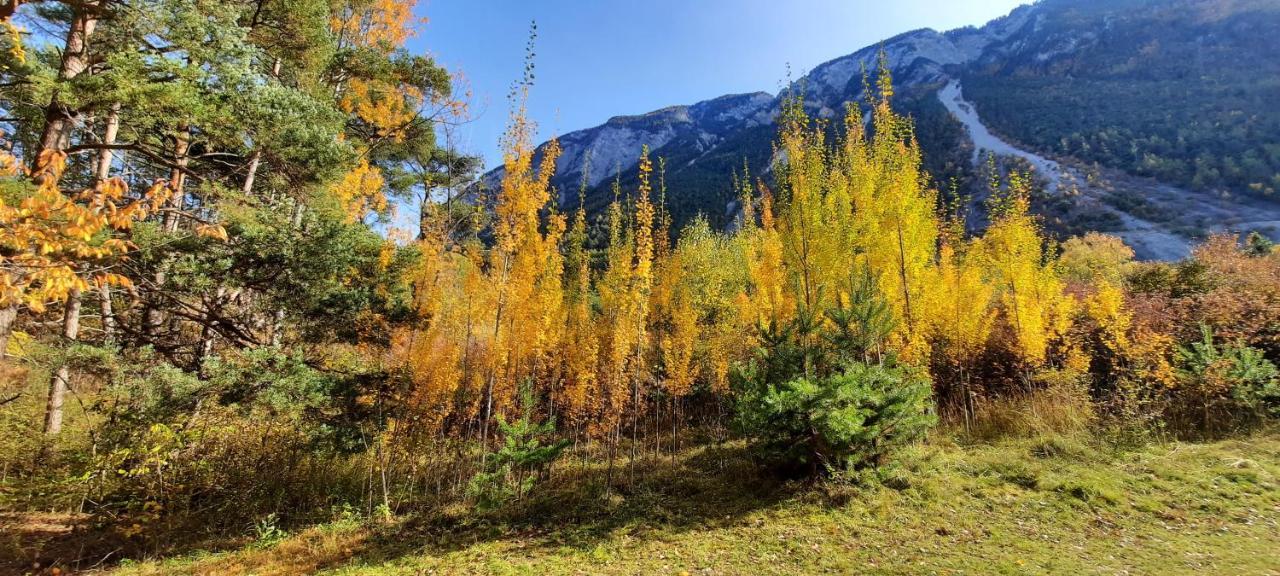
x,y
211,337
1181,91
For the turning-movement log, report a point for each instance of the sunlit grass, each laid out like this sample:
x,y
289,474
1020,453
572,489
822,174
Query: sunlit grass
x,y
1025,506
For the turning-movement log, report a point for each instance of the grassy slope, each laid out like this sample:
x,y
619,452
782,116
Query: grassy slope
x,y
1016,507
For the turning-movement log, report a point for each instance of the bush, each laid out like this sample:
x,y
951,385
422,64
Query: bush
x,y
845,421
219,473
1233,378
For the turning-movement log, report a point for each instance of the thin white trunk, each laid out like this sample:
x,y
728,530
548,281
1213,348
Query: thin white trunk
x,y
60,383
101,174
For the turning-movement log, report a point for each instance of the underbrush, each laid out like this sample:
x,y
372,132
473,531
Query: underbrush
x,y
240,482
1009,506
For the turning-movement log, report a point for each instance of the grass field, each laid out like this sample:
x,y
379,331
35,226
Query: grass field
x,y
1029,506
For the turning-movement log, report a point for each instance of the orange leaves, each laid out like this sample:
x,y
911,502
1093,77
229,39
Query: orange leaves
x,y
9,164
215,231
380,24
491,321
51,241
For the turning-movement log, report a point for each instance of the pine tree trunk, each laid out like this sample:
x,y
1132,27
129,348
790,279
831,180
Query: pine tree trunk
x,y
206,332
108,314
101,174
178,177
71,315
59,384
154,316
108,137
58,118
255,159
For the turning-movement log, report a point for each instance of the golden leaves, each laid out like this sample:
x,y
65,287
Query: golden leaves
x,y
390,109
495,320
14,33
214,231
381,24
360,191
52,241
1035,305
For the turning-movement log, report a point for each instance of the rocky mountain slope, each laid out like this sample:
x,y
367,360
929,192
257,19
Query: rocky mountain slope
x,y
1152,119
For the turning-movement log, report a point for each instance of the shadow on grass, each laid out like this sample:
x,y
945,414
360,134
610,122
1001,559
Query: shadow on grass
x,y
36,542
582,506
579,506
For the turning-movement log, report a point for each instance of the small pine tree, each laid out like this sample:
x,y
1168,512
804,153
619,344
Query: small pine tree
x,y
1233,375
862,322
1258,245
825,395
525,456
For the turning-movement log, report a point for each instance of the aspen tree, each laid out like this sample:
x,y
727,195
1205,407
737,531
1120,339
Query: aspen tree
x,y
1033,303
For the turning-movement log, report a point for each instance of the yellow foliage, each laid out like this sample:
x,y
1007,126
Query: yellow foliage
x,y
581,341
53,244
381,24
16,49
1095,257
962,311
492,320
360,191
1034,304
862,204
1139,354
529,309
389,108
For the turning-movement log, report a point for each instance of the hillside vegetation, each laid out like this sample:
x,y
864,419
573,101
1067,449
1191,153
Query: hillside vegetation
x,y
1181,91
1047,505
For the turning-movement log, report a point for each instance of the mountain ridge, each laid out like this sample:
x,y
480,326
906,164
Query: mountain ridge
x,y
1060,44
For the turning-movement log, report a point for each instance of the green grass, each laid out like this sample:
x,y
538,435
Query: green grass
x,y
1029,506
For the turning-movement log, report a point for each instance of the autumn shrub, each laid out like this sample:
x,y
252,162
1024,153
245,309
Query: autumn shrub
x,y
1217,317
218,473
255,435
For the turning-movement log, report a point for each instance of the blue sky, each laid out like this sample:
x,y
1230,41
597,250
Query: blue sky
x,y
598,59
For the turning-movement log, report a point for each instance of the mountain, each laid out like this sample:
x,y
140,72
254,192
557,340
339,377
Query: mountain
x,y
1156,120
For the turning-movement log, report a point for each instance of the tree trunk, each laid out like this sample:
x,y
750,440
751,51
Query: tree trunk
x,y
108,314
56,135
60,383
206,332
58,119
71,314
154,316
101,174
254,160
8,315
108,137
177,177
